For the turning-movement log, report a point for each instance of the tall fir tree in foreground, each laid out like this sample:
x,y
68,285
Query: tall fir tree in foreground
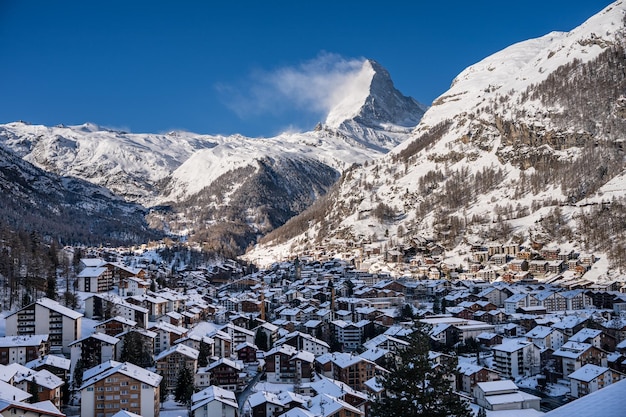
x,y
414,387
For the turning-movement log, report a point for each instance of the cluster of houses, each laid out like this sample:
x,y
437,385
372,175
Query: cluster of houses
x,y
309,337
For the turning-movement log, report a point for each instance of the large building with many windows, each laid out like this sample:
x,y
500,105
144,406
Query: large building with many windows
x,y
114,386
46,316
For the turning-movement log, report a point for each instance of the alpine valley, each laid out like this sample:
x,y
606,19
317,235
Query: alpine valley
x,y
526,146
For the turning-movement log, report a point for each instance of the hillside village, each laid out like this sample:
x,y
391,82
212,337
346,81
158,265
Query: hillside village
x,y
309,336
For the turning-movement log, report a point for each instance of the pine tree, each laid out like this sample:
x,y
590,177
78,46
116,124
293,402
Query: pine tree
x,y
261,341
135,351
33,390
204,353
77,379
413,387
184,386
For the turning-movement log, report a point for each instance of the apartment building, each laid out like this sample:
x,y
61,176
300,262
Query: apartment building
x,y
46,316
514,358
114,386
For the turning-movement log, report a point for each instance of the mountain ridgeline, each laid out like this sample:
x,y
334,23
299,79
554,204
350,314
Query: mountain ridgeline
x,y
219,192
526,146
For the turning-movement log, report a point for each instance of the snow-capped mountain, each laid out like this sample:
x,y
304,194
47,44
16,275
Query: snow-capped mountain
x,y
526,145
71,209
188,177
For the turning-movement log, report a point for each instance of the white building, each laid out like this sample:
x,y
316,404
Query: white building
x,y
214,401
46,316
514,358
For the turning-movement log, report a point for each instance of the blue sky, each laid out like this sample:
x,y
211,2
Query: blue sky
x,y
217,67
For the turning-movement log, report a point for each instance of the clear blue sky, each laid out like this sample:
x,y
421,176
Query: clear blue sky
x,y
212,66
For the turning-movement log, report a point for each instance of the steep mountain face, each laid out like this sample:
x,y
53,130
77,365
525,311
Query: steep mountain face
x,y
377,115
68,209
526,145
226,189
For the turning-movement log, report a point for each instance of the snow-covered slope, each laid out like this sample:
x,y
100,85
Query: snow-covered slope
x,y
194,181
523,146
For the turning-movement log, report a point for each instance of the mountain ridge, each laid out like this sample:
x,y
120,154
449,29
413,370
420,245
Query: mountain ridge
x,y
521,138
179,175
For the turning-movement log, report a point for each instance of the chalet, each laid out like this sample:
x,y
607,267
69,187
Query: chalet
x,y
115,325
228,374
246,352
57,365
269,404
591,378
342,391
94,349
167,335
352,370
171,361
133,286
287,364
46,384
305,342
214,401
39,409
596,337
105,306
468,375
573,356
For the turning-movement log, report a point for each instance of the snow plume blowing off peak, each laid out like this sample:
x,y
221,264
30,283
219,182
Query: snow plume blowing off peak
x,y
332,87
315,86
371,99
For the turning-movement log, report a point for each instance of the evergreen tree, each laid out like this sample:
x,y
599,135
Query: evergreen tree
x,y
51,286
413,387
184,386
135,351
437,305
204,353
33,390
261,341
77,379
162,389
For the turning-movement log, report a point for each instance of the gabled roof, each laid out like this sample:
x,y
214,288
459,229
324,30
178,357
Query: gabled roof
x,y
54,306
17,341
92,272
50,360
106,369
10,393
588,372
213,393
237,365
180,348
103,337
41,408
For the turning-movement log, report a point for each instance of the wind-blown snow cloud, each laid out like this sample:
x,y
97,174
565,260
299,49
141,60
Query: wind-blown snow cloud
x,y
314,86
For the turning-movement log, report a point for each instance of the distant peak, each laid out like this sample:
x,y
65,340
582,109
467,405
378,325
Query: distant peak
x,y
351,96
371,99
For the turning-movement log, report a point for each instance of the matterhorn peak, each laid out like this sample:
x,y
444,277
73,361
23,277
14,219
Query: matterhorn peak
x,y
371,109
